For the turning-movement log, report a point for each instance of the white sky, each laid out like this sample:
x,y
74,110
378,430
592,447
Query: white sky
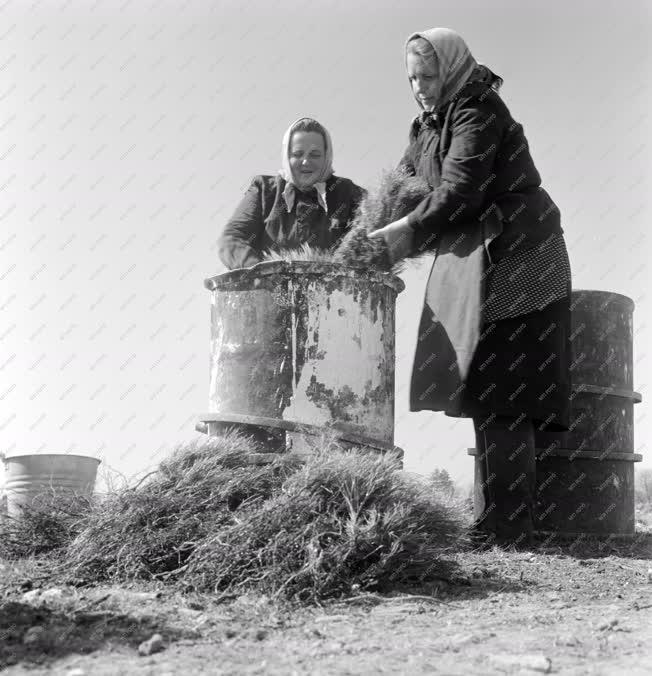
x,y
128,132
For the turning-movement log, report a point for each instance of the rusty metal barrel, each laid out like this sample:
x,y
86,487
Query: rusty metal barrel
x,y
301,347
585,476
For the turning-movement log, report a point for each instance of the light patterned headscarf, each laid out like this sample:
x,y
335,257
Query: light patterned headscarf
x,y
455,62
286,170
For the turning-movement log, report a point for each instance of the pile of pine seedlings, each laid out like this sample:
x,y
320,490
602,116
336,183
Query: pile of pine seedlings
x,y
46,524
396,195
208,520
151,530
345,522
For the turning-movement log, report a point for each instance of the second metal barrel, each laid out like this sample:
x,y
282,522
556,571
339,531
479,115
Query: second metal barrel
x,y
585,476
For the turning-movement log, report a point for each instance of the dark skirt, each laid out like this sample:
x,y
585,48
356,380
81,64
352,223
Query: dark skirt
x,y
521,367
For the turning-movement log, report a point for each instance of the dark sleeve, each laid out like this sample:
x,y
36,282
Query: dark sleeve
x,y
239,245
477,133
406,163
358,195
352,203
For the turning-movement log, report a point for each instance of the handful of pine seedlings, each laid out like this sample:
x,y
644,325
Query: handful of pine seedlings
x,y
395,196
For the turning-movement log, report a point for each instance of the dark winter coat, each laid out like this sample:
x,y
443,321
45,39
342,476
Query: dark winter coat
x,y
487,205
261,221
475,157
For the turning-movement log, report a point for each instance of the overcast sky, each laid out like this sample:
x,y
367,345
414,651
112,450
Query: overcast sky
x,y
128,132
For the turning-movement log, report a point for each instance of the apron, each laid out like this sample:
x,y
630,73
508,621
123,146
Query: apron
x,y
451,317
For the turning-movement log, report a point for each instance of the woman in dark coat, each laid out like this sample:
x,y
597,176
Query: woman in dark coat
x,y
305,204
493,340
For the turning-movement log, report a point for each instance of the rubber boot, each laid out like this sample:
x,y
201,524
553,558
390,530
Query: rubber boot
x,y
508,479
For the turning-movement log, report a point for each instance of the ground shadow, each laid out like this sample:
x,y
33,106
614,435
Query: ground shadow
x,y
583,546
59,634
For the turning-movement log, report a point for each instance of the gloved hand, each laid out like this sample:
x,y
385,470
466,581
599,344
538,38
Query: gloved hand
x,y
399,238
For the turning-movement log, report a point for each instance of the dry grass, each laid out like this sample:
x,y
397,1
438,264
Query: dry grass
x,y
209,520
151,531
395,196
303,253
47,524
344,522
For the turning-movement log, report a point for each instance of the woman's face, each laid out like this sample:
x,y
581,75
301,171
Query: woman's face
x,y
307,157
424,78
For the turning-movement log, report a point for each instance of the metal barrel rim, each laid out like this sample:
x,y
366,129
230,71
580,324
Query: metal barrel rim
x,y
50,455
291,426
612,296
267,268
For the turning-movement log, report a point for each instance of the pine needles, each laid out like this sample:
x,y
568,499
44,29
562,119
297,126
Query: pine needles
x,y
395,196
211,521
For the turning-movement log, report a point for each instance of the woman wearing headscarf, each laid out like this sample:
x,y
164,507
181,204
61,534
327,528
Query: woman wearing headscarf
x,y
304,204
493,341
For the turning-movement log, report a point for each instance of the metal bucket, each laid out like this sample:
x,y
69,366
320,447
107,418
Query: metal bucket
x,y
585,476
301,347
27,476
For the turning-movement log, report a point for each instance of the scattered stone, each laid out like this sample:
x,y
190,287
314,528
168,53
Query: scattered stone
x,y
32,596
539,663
230,633
608,624
34,635
54,594
260,635
151,646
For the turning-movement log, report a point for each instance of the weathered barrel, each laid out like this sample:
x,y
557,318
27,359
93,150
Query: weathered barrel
x,y
585,476
28,476
302,347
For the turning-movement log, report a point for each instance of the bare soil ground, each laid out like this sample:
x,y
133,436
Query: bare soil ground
x,y
575,610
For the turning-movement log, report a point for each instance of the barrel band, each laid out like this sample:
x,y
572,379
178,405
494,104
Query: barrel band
x,y
337,429
608,391
570,454
359,273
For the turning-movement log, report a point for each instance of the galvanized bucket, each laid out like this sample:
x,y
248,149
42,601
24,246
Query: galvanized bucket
x,y
28,476
301,347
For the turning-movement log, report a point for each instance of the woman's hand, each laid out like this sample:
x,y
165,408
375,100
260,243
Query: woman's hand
x,y
399,238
